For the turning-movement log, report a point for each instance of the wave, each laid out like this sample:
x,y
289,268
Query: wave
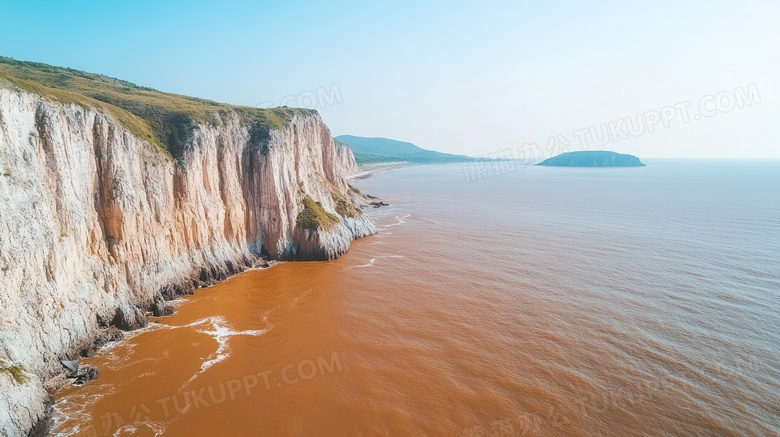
x,y
371,262
400,219
72,407
220,332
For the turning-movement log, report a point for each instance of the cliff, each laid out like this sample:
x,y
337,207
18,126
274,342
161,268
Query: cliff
x,y
101,216
592,158
345,157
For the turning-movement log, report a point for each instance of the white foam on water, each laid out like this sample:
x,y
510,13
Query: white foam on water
x,y
120,350
75,407
129,428
370,263
373,260
221,335
220,332
157,427
400,219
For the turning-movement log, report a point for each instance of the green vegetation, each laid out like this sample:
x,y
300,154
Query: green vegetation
x,y
592,158
7,173
355,190
16,371
313,216
379,150
344,208
163,119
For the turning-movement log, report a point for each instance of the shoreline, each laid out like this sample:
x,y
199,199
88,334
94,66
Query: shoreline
x,y
148,314
106,337
100,342
368,170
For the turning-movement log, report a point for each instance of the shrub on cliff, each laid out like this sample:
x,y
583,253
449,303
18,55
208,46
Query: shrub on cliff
x,y
14,370
313,216
344,208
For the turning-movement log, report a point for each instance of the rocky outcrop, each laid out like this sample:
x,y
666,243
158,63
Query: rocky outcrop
x,y
97,225
161,309
79,374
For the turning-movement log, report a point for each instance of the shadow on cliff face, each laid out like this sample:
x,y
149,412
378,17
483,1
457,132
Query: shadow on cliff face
x,y
178,129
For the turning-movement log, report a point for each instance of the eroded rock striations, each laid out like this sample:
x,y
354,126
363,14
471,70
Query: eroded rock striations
x,y
98,226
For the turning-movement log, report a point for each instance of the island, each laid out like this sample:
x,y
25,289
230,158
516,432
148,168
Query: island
x,y
594,158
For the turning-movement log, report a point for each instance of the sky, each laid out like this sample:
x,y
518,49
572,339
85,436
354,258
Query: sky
x,y
699,79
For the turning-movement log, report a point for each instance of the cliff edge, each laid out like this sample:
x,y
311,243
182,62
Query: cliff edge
x,y
115,197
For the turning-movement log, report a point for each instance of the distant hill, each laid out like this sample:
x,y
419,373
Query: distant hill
x,y
595,158
375,150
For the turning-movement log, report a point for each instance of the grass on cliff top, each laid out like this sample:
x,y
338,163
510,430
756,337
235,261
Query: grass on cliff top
x,y
165,120
313,216
16,371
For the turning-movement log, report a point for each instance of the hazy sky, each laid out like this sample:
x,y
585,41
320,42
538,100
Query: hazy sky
x,y
462,77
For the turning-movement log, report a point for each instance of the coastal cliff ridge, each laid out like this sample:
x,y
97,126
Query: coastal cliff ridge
x,y
115,198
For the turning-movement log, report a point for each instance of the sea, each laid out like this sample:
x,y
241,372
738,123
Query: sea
x,y
527,301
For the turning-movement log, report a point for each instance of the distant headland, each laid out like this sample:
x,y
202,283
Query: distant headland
x,y
370,151
595,158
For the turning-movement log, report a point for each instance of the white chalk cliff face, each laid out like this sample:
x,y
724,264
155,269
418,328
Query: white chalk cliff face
x,y
96,224
345,158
